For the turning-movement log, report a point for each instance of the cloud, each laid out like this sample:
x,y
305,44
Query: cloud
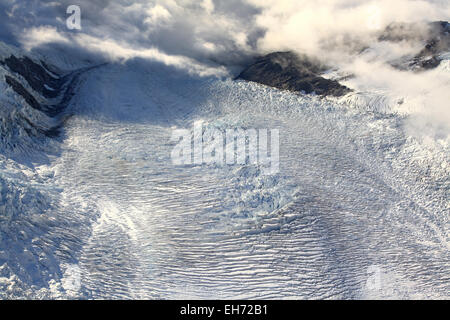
x,y
157,15
315,27
37,36
227,32
423,97
207,31
114,50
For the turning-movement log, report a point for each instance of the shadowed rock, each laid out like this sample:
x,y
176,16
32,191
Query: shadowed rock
x,y
37,77
288,71
20,90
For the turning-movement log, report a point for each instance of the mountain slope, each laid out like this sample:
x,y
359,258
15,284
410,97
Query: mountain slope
x,y
288,71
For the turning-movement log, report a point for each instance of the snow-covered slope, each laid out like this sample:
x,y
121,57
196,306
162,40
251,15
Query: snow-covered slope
x,y
108,215
33,100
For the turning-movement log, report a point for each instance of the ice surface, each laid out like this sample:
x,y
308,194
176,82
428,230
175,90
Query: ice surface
x,y
110,216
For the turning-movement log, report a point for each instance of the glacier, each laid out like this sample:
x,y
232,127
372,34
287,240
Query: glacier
x,y
99,211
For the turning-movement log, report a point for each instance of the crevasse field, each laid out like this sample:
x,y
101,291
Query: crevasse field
x,y
101,211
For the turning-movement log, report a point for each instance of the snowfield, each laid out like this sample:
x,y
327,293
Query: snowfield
x,y
101,212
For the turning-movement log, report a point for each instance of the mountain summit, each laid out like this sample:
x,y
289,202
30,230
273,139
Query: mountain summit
x,y
289,71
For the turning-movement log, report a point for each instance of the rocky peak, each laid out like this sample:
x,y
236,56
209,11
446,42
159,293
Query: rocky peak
x,y
289,71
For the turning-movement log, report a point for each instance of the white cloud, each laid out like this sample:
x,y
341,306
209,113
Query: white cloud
x,y
37,36
306,25
157,14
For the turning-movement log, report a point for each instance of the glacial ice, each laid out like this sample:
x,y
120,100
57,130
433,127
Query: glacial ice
x,y
103,213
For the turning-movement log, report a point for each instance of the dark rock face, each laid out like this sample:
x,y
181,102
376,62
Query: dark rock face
x,y
38,79
35,75
288,71
25,72
20,90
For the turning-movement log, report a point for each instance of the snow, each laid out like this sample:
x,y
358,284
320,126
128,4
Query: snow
x,y
48,88
108,215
